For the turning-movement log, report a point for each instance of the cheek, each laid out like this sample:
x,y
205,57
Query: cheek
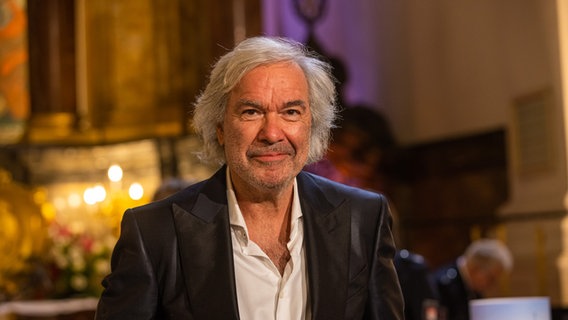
x,y
482,282
245,133
230,128
300,131
237,137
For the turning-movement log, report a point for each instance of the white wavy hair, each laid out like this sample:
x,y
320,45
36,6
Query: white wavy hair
x,y
485,253
209,110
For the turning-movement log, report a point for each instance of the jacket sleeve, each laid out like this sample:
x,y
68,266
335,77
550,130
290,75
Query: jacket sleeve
x,y
130,290
385,296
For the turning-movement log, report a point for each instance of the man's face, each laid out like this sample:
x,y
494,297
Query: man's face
x,y
483,280
266,130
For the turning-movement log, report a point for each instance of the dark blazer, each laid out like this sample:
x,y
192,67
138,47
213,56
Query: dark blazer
x,y
453,294
417,289
174,257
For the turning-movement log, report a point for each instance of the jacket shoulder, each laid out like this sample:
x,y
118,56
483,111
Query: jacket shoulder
x,y
447,275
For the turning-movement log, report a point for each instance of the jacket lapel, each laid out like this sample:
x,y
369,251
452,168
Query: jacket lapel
x,y
204,239
327,241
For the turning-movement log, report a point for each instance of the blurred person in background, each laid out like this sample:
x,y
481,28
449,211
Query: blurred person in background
x,y
420,300
471,276
170,186
363,153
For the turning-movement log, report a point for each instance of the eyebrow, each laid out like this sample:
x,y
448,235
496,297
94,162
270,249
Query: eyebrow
x,y
296,103
253,103
246,102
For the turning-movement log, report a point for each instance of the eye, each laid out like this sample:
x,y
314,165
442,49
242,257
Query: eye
x,y
250,114
292,114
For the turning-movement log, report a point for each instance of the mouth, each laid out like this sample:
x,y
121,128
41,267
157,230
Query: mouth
x,y
268,155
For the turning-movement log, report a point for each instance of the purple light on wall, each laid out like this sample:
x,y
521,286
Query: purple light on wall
x,y
348,30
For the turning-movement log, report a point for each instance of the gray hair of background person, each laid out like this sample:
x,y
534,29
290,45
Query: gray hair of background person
x,y
485,253
209,110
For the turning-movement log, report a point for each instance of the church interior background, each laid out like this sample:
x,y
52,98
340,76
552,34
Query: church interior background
x,y
95,100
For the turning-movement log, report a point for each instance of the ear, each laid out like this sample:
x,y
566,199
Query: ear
x,y
220,135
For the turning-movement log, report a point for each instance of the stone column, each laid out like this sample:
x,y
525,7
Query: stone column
x,y
51,33
535,217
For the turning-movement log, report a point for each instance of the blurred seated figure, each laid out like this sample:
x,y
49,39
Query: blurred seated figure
x,y
169,187
362,151
420,301
471,276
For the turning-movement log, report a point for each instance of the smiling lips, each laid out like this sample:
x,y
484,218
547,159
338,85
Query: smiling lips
x,y
270,153
272,157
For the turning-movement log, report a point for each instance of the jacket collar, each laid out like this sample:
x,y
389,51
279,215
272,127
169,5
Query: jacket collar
x,y
206,254
201,220
327,241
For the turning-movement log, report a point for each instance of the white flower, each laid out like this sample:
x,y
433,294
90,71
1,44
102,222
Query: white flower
x,y
78,264
102,266
79,282
60,260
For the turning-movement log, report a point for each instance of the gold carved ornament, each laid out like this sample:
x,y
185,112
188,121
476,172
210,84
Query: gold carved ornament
x,y
23,237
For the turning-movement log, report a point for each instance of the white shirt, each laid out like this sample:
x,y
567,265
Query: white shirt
x,y
262,293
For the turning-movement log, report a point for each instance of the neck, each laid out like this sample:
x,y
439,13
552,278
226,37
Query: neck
x,y
265,206
268,220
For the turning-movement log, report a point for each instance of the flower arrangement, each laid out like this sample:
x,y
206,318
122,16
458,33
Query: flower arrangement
x,y
82,237
56,241
79,260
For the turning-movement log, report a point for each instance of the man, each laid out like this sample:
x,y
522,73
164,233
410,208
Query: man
x,y
260,239
360,155
471,276
420,301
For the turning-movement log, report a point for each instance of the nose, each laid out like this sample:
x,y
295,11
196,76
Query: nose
x,y
271,131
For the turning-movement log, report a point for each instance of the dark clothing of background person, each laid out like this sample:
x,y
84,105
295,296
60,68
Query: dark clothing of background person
x,y
453,294
417,289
